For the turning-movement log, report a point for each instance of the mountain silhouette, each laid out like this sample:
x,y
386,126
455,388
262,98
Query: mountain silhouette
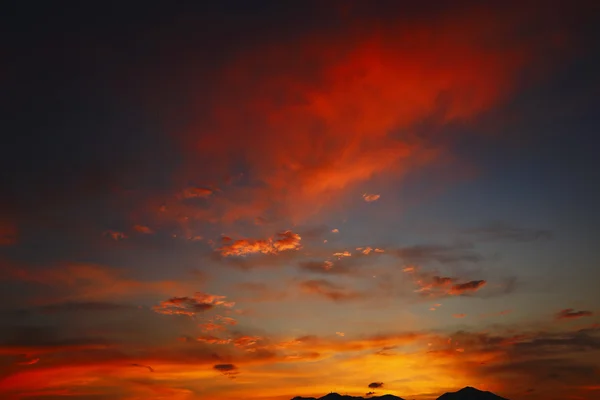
x,y
337,396
470,393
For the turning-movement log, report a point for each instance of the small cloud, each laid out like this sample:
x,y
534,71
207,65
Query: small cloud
x,y
143,366
410,268
341,334
335,230
569,313
29,362
367,250
377,250
342,254
142,229
375,385
190,306
196,192
287,240
329,290
115,235
470,286
459,315
369,394
371,197
228,370
209,339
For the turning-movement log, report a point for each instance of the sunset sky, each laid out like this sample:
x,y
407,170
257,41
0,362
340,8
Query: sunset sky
x,y
265,199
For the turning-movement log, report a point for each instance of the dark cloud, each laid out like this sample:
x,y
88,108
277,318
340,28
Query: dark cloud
x,y
375,385
143,366
569,313
466,287
229,370
369,393
329,290
499,231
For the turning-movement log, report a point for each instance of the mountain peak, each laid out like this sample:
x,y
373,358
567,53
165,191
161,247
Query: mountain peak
x,y
470,393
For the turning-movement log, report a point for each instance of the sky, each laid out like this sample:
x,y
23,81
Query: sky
x,y
261,200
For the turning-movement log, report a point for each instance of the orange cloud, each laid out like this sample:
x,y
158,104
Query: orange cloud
x,y
142,229
195,192
190,306
459,315
371,197
287,240
569,313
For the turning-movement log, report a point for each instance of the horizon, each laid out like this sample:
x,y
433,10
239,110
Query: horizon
x,y
262,200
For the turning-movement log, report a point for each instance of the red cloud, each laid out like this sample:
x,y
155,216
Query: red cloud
x,y
193,192
287,240
320,114
569,313
371,197
142,229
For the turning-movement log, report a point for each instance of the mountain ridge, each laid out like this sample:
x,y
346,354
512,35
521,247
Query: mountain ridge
x,y
466,393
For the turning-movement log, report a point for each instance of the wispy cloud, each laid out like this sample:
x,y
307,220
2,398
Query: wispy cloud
x,y
190,306
570,313
329,290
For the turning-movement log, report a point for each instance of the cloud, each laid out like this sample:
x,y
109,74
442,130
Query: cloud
x,y
143,366
369,393
115,235
196,192
329,290
335,230
190,306
342,254
569,313
228,370
459,315
470,286
371,197
340,334
142,229
375,385
342,138
286,241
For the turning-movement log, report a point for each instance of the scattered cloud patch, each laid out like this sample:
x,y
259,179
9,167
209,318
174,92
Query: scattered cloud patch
x,y
570,313
375,385
369,198
284,241
191,306
143,229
